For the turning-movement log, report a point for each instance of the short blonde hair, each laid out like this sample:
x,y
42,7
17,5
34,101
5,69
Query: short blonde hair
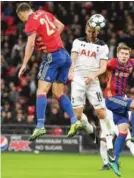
x,y
22,7
123,46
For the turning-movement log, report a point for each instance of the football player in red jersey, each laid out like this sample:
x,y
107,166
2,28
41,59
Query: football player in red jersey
x,y
43,27
118,70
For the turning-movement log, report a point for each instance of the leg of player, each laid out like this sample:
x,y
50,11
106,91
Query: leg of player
x,y
129,143
103,153
105,126
84,120
87,126
118,146
65,103
41,102
132,121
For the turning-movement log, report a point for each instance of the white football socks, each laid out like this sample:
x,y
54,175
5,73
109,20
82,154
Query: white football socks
x,y
106,128
103,152
84,121
129,144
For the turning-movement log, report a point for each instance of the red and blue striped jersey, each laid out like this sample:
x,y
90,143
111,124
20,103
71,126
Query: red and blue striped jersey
x,y
117,77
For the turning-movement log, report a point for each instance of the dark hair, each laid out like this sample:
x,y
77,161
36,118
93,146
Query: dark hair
x,y
23,7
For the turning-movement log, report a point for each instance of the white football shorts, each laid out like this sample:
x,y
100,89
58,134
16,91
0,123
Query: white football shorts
x,y
80,91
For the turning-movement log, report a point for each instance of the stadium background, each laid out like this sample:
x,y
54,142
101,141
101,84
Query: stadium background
x,y
18,96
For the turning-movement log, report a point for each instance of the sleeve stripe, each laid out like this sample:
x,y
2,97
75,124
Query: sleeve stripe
x,y
75,51
30,33
104,59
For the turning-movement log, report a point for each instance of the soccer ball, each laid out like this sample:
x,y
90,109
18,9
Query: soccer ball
x,y
97,21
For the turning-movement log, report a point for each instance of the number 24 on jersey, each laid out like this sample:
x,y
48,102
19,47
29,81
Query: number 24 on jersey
x,y
50,27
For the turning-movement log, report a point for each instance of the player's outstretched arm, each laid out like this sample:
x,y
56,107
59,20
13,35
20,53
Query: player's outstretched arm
x,y
28,52
59,25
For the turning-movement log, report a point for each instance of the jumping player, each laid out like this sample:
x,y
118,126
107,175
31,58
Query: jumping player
x,y
89,60
54,68
118,70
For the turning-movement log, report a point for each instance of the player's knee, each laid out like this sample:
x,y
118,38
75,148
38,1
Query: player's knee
x,y
57,94
42,91
101,113
123,128
57,89
43,87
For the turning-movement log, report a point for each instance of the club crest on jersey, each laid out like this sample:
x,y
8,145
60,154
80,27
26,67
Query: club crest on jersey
x,y
88,53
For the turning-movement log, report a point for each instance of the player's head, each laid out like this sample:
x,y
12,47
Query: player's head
x,y
123,53
91,33
23,11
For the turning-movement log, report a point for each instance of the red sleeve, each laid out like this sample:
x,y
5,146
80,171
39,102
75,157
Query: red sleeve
x,y
31,26
111,64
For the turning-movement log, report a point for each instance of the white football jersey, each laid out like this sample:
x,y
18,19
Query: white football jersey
x,y
89,55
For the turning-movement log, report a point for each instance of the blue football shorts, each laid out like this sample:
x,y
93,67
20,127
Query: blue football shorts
x,y
120,107
55,67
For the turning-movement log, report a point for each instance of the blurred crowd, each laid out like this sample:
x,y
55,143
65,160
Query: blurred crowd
x,y
18,96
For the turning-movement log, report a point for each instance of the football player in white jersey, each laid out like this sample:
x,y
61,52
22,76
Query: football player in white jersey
x,y
89,60
103,146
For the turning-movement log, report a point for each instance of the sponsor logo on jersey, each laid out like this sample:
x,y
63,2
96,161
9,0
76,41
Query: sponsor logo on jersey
x,y
3,143
88,53
122,74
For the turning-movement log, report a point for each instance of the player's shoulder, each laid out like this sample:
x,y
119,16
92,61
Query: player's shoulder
x,y
82,39
112,63
40,12
113,59
37,14
100,43
79,40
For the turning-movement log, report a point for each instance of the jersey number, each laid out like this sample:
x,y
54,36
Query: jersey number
x,y
99,96
49,25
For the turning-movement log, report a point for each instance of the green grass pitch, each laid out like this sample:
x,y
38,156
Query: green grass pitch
x,y
23,165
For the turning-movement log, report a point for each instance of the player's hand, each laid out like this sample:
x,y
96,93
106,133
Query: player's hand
x,y
89,79
22,70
